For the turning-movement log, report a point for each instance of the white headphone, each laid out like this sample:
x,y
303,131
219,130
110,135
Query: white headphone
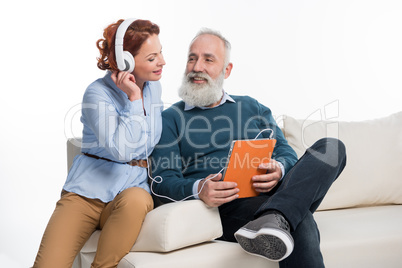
x,y
124,59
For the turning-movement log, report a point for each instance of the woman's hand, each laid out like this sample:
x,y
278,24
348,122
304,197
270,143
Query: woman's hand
x,y
126,82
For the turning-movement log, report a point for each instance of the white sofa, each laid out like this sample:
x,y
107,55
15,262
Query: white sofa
x,y
360,219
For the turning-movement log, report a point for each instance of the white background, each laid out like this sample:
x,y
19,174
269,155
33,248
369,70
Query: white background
x,y
298,57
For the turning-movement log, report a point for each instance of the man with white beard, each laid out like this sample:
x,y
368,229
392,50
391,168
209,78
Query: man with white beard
x,y
277,224
195,92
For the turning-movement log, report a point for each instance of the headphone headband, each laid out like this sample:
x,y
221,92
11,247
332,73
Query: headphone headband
x,y
124,59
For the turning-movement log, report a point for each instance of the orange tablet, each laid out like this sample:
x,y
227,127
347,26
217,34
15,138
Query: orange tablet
x,y
243,160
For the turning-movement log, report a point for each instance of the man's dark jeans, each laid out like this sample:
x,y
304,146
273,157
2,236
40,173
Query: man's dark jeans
x,y
297,196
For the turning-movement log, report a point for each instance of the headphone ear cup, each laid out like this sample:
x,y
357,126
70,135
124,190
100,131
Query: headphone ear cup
x,y
129,62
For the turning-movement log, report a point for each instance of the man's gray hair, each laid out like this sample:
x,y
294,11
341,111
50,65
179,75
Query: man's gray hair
x,y
227,44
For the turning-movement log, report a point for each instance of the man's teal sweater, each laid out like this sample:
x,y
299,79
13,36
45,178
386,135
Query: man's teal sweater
x,y
195,143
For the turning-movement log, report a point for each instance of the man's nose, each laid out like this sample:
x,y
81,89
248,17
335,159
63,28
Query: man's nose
x,y
198,67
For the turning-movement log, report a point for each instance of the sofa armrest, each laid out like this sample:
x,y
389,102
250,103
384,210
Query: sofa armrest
x,y
177,225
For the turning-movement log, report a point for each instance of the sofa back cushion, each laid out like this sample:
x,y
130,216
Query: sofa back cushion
x,y
373,173
73,149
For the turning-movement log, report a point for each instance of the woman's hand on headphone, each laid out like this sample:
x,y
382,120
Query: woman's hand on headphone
x,y
126,82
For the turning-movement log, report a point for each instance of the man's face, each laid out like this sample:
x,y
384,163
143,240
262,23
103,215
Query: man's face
x,y
206,55
205,72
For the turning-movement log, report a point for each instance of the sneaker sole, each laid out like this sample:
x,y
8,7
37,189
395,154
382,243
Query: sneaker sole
x,y
271,244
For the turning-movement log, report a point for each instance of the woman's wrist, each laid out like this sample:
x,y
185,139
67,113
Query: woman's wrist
x,y
134,97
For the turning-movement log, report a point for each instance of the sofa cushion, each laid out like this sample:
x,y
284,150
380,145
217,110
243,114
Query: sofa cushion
x,y
177,225
210,254
373,173
361,237
214,254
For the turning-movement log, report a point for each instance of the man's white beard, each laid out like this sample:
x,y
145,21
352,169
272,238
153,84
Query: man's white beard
x,y
201,95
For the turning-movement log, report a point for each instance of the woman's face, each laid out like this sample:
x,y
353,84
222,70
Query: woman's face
x,y
149,61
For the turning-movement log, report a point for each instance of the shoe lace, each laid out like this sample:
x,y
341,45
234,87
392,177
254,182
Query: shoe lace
x,y
282,222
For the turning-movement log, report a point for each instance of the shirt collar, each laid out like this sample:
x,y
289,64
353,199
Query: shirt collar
x,y
225,98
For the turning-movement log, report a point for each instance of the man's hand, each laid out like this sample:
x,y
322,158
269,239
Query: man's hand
x,y
266,182
215,192
126,82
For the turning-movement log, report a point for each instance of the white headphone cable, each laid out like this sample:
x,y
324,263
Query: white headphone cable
x,y
205,179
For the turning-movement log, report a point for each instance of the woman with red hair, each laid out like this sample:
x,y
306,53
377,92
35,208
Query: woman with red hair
x,y
106,187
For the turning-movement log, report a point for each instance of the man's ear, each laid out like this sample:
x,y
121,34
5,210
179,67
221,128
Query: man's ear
x,y
228,70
